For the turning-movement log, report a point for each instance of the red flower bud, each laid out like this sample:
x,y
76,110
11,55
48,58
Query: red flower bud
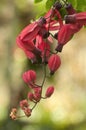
x,y
24,104
37,97
37,93
54,63
49,91
13,113
27,112
37,90
29,76
30,96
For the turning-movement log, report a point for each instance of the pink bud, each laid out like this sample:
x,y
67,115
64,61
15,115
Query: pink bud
x,y
49,91
54,63
27,112
30,96
24,104
37,93
29,76
37,90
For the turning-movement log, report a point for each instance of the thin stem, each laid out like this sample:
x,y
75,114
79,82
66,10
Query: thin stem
x,y
34,106
65,2
44,67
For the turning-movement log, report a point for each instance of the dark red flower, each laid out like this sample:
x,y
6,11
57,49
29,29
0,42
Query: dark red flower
x,y
54,63
79,18
66,33
49,91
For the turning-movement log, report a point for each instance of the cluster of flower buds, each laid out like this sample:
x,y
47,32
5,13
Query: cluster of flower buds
x,y
36,41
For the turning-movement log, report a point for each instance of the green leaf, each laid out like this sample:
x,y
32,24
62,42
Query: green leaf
x,y
49,4
79,5
37,1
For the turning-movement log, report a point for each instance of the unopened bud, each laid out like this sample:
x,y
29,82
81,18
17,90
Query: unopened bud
x,y
54,63
29,76
30,96
49,91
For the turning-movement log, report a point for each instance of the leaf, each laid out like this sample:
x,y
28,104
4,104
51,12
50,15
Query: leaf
x,y
37,1
79,5
49,4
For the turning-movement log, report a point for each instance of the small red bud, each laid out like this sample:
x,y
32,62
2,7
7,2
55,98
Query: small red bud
x,y
13,113
49,91
27,112
29,76
54,63
24,104
30,96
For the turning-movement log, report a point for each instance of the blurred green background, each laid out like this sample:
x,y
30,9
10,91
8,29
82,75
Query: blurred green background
x,y
66,109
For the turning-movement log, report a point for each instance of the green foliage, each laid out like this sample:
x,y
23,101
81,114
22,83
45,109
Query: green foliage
x,y
79,5
37,1
49,4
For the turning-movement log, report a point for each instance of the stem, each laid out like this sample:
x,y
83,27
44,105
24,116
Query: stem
x,y
65,2
44,67
34,106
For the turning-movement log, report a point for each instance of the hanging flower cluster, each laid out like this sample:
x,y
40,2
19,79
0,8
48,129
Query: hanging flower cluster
x,y
36,41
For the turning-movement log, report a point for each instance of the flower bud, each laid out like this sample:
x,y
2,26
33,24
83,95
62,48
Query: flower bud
x,y
49,91
27,112
37,93
24,104
29,76
13,113
30,96
54,63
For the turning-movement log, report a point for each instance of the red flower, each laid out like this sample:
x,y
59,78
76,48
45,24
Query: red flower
x,y
65,34
79,18
30,31
29,76
31,56
44,47
54,63
49,91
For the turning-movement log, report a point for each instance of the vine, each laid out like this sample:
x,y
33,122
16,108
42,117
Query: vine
x,y
36,40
